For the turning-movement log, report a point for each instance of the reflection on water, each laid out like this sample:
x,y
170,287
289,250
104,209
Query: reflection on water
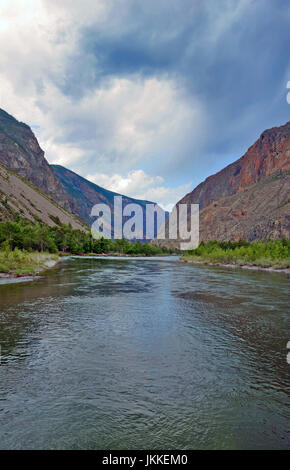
x,y
132,353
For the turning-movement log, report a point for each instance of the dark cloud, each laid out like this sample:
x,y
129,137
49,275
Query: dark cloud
x,y
175,88
233,56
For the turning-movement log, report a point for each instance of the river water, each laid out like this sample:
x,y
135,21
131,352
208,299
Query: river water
x,y
145,354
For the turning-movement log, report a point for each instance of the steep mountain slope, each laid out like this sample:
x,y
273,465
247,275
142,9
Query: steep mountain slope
x,y
249,198
19,196
21,153
269,153
257,212
87,194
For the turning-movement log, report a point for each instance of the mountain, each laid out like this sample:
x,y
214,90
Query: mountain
x,y
87,194
19,196
21,153
249,198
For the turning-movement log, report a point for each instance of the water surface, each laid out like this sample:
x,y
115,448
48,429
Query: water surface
x,y
145,354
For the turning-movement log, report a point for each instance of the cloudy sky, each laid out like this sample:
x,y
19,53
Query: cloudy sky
x,y
145,97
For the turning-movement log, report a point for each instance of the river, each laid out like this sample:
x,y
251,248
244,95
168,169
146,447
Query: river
x,y
145,354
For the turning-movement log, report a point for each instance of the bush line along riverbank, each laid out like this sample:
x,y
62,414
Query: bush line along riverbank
x,y
27,248
21,242
264,254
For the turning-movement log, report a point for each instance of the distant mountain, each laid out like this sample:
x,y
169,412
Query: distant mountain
x,y
19,196
21,153
87,194
250,198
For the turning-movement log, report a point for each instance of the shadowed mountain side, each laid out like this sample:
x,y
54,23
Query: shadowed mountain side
x,y
87,194
21,153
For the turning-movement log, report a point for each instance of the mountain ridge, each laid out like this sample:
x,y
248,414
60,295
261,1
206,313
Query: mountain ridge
x,y
249,198
240,171
20,152
88,193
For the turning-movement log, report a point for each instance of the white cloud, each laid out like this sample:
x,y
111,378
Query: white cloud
x,y
118,125
140,185
124,121
135,181
124,124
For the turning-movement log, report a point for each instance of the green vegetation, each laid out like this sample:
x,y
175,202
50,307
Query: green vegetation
x,y
275,253
20,262
20,241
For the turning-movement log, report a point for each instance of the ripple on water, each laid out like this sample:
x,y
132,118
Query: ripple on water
x,y
126,354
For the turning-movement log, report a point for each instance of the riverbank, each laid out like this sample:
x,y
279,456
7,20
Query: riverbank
x,y
28,265
253,267
119,255
20,263
268,255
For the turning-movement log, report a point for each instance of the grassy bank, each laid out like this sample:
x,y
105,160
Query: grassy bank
x,y
268,253
20,262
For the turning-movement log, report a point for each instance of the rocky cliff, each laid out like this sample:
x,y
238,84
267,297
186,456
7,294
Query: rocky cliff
x,y
271,152
250,198
257,212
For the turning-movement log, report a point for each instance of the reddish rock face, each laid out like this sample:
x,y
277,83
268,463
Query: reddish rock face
x,y
251,197
271,152
21,153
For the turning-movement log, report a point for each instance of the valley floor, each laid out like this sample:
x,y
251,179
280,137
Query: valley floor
x,y
270,255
